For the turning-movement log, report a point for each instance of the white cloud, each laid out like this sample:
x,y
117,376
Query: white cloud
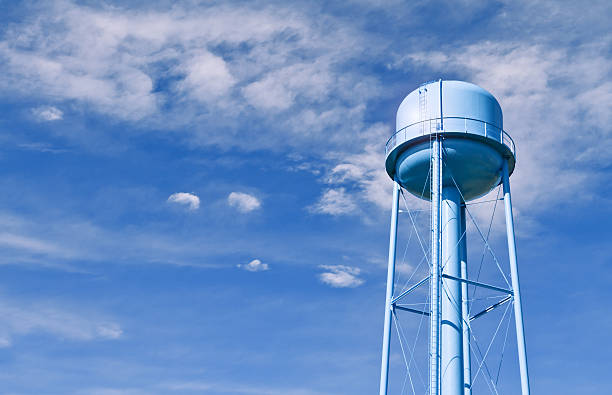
x,y
366,170
268,94
335,202
243,202
341,276
187,199
207,77
278,89
48,113
255,266
26,318
194,68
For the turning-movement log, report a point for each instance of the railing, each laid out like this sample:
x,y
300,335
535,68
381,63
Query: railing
x,y
451,124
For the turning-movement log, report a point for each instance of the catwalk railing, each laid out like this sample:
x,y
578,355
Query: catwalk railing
x,y
451,125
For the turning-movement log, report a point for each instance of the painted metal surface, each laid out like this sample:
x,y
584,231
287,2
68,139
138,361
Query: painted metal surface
x,y
518,310
465,309
451,347
459,98
384,369
473,165
469,120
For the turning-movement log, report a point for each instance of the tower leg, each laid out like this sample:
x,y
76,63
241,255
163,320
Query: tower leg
x,y
467,363
518,311
384,368
451,368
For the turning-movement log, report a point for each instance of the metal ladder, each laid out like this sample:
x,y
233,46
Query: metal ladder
x,y
422,107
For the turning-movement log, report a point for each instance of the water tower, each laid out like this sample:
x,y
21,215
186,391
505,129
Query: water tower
x,y
449,148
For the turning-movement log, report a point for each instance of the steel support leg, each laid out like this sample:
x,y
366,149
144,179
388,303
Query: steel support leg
x,y
465,310
384,368
451,368
518,311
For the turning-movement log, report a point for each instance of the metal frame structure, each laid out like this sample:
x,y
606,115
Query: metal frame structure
x,y
448,278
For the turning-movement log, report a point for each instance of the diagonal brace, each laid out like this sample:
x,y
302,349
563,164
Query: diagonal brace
x,y
406,292
491,308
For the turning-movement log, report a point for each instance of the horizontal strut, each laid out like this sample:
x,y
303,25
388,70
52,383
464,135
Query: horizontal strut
x,y
491,308
410,310
476,283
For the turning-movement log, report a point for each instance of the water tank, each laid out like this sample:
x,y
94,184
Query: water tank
x,y
469,121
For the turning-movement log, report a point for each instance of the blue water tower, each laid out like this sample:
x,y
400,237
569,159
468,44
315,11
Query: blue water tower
x,y
449,148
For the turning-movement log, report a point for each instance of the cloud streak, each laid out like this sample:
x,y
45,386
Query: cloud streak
x,y
30,318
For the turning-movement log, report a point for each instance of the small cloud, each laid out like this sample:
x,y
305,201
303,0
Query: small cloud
x,y
335,202
255,266
48,113
188,199
341,276
243,202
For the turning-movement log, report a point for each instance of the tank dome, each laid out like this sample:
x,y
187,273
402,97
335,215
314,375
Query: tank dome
x,y
470,122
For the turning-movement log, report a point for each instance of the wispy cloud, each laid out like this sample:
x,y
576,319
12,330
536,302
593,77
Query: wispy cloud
x,y
32,244
243,202
255,266
235,388
335,202
191,201
28,318
193,66
41,147
341,276
74,244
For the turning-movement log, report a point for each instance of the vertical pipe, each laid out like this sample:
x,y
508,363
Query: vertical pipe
x,y
434,339
465,312
436,246
384,368
518,311
451,356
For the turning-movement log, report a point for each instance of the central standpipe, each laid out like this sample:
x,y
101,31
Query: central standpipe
x,y
451,369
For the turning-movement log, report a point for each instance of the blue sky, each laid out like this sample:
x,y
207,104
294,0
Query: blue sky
x,y
194,197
